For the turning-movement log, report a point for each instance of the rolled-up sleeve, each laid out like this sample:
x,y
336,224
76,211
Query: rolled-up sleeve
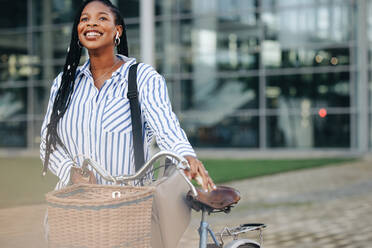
x,y
59,162
157,109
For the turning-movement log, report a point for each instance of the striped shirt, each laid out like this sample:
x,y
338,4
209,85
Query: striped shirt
x,y
97,123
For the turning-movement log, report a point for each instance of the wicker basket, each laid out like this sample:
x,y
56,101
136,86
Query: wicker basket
x,y
87,215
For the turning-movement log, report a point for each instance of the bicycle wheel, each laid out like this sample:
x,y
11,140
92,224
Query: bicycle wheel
x,y
248,246
242,243
212,246
240,246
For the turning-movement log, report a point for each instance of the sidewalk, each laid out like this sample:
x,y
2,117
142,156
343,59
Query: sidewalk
x,y
324,207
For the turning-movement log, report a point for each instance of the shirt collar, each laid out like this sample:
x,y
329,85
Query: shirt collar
x,y
84,69
122,70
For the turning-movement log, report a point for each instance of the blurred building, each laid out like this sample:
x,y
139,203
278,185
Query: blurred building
x,y
260,74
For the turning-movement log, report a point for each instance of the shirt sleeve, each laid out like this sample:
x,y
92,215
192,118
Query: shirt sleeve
x,y
158,112
59,162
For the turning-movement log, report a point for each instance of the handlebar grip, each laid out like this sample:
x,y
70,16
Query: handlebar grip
x,y
182,165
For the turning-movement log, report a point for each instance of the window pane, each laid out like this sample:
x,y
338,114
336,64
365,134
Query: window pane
x,y
13,103
240,11
319,90
13,134
223,96
188,91
184,6
221,109
133,40
237,51
14,61
315,23
232,131
13,14
276,57
370,89
64,10
37,129
128,8
369,20
237,36
308,131
168,47
41,98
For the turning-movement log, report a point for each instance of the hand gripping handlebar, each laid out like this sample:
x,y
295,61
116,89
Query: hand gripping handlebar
x,y
181,165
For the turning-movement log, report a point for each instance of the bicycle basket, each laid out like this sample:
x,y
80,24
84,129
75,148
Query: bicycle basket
x,y
87,215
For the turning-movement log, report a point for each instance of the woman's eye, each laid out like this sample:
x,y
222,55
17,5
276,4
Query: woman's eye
x,y
84,19
102,18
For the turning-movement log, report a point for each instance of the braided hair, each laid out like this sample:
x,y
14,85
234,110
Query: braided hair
x,y
65,90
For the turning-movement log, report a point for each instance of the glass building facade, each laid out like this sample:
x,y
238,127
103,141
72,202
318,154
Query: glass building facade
x,y
255,74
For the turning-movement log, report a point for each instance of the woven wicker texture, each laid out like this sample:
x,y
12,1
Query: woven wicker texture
x,y
87,215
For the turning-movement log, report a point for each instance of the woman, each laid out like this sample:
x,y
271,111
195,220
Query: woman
x,y
88,112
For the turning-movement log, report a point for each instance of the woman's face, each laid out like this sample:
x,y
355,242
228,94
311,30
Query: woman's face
x,y
97,27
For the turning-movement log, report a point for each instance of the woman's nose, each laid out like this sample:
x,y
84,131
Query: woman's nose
x,y
91,23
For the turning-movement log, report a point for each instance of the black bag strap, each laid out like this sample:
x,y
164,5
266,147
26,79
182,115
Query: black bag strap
x,y
135,114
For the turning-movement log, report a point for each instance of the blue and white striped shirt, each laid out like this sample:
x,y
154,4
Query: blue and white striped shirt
x,y
97,123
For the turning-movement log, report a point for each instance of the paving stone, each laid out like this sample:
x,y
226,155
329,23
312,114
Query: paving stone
x,y
328,207
324,207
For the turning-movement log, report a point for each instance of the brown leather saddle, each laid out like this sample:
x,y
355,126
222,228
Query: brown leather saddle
x,y
220,199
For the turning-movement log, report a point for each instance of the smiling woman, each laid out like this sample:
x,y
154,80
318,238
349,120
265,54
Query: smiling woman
x,y
90,105
89,113
97,30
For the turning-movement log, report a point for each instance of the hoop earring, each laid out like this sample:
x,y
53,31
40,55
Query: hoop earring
x,y
117,39
79,44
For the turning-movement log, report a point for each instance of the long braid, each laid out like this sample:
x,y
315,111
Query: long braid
x,y
65,90
123,46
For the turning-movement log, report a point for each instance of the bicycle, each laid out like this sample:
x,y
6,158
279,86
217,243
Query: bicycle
x,y
207,203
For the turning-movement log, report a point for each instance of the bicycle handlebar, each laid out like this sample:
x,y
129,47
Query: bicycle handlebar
x,y
181,166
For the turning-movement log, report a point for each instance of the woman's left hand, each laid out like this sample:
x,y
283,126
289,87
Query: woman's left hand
x,y
197,169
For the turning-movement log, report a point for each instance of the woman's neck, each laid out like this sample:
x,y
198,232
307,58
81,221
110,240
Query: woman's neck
x,y
101,61
102,65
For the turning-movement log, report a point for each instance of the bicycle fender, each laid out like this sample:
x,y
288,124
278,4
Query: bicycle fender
x,y
237,243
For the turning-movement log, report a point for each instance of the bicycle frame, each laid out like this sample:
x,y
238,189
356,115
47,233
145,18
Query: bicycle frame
x,y
182,165
204,230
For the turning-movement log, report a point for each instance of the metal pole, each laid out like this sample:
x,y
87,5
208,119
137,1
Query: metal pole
x,y
203,231
147,27
353,112
262,142
30,80
47,49
362,77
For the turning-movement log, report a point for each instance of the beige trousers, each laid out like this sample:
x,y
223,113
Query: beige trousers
x,y
170,213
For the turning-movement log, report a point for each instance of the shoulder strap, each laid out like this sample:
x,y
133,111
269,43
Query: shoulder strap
x,y
139,157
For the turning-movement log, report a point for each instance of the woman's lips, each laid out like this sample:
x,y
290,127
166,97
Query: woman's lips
x,y
92,35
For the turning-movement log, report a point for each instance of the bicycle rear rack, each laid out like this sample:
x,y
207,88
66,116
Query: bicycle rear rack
x,y
241,229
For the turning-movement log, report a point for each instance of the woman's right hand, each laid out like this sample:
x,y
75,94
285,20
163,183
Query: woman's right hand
x,y
77,175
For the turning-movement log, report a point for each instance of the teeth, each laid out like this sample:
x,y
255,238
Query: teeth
x,y
93,34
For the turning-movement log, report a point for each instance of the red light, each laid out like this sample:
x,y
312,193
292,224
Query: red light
x,y
322,112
